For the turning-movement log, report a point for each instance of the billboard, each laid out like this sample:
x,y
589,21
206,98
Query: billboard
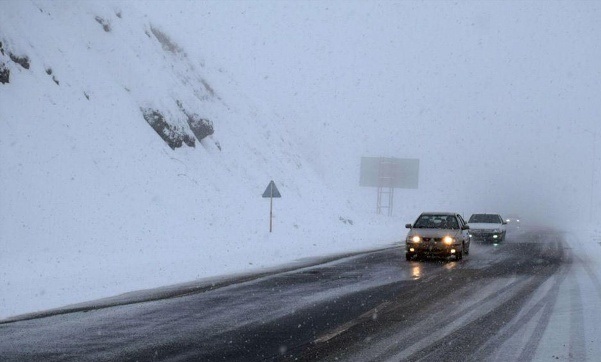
x,y
390,172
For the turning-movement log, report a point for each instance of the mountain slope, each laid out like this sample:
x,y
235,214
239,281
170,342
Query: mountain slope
x,y
95,202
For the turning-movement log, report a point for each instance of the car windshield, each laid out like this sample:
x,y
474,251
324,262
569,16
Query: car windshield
x,y
437,222
485,218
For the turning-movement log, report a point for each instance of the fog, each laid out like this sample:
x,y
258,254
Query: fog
x,y
498,100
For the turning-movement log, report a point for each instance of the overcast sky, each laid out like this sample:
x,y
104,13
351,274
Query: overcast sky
x,y
498,100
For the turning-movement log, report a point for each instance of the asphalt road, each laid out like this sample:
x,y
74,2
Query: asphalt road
x,y
370,307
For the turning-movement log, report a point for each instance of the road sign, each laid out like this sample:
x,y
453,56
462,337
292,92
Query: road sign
x,y
271,191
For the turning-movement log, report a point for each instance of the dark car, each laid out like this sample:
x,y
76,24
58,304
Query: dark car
x,y
440,234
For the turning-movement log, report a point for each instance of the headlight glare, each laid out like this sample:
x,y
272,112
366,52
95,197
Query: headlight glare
x,y
448,240
416,239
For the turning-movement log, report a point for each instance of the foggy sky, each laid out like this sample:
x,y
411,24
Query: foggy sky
x,y
498,100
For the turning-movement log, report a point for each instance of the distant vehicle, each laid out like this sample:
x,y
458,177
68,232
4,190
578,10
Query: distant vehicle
x,y
441,234
487,227
513,221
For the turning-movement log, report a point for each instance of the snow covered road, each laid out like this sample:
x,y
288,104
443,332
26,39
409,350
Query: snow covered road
x,y
526,299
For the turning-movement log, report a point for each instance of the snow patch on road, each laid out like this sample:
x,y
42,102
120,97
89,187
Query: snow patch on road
x,y
574,329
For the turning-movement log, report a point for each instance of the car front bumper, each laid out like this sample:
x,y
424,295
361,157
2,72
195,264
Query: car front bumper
x,y
486,235
434,249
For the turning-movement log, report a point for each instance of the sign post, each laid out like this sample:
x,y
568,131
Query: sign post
x,y
271,191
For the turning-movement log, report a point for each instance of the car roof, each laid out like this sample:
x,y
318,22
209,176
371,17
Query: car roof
x,y
439,213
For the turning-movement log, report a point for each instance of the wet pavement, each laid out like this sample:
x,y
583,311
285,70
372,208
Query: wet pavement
x,y
372,306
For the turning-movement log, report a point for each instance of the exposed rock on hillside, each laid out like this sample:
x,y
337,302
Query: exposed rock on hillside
x,y
200,127
4,73
49,72
105,24
173,135
166,42
21,60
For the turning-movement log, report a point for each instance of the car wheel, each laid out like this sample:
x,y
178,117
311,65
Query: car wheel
x,y
467,251
408,256
459,254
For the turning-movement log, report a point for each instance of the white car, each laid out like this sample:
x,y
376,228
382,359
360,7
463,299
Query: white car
x,y
487,227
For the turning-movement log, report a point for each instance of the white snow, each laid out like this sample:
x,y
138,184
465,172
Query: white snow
x,y
94,204
574,329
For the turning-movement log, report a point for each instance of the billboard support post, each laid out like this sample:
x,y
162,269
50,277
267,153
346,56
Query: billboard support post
x,y
386,174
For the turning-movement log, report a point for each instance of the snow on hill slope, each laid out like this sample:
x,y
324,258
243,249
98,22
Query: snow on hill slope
x,y
95,203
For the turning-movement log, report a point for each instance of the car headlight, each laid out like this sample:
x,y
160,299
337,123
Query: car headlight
x,y
496,231
416,239
448,240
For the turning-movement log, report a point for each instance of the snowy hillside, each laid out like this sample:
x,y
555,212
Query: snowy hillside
x,y
94,202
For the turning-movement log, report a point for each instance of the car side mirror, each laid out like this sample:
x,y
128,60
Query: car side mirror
x,y
465,227
504,222
408,226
